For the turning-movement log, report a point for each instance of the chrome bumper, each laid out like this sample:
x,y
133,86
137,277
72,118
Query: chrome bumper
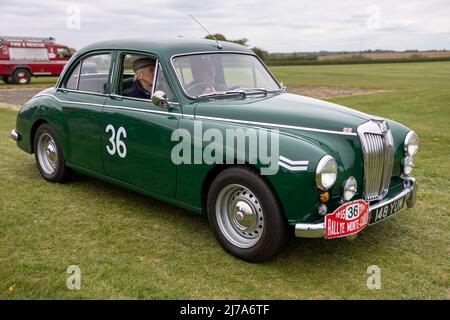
x,y
15,135
317,230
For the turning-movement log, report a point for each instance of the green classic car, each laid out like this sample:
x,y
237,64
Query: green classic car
x,y
206,126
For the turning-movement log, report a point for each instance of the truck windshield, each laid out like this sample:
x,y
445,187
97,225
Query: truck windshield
x,y
221,73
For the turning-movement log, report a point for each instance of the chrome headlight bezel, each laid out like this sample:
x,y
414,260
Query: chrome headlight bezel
x,y
349,188
326,172
411,144
407,165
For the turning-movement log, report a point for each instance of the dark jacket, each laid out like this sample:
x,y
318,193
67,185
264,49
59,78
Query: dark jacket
x,y
137,91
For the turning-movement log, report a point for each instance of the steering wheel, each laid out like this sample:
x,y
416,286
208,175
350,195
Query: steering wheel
x,y
203,83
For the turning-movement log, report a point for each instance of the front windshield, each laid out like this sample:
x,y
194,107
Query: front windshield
x,y
203,74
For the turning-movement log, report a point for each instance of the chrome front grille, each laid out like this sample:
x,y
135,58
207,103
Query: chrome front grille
x,y
378,151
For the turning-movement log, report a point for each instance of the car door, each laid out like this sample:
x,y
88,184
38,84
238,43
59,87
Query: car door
x,y
82,97
137,138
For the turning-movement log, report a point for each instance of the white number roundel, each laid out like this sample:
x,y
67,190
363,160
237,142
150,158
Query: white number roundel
x,y
116,143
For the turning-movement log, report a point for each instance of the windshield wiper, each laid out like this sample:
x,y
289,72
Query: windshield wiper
x,y
220,93
239,91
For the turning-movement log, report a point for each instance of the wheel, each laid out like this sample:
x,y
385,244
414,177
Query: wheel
x,y
21,76
6,79
49,156
245,215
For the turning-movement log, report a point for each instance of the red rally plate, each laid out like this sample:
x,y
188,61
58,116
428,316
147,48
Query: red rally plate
x,y
348,219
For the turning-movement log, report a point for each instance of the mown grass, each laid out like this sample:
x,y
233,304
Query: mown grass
x,y
131,246
35,82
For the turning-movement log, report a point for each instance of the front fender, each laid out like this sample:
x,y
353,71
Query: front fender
x,y
293,184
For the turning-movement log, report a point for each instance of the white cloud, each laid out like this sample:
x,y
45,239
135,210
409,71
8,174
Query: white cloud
x,y
273,25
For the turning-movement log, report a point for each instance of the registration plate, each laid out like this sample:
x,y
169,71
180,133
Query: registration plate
x,y
385,211
348,219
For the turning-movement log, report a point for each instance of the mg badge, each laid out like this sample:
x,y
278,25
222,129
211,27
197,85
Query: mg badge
x,y
383,126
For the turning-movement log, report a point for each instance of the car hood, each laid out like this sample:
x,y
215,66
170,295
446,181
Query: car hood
x,y
285,111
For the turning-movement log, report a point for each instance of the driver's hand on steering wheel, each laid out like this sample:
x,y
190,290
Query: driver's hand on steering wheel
x,y
210,88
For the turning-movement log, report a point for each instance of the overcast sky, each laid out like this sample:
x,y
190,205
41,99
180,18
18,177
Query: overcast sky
x,y
274,25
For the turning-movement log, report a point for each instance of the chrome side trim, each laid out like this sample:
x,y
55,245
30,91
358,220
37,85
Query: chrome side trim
x,y
143,110
275,125
290,168
64,101
294,163
111,106
83,92
15,135
254,123
291,165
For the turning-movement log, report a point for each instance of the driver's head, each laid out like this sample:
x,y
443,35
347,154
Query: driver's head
x,y
203,70
144,70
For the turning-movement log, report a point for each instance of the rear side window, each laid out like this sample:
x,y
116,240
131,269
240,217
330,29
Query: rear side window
x,y
72,82
91,74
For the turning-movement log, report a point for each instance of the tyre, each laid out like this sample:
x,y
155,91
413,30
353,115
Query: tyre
x,y
6,79
245,215
21,76
49,156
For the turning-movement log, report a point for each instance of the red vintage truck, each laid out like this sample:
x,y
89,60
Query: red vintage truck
x,y
24,57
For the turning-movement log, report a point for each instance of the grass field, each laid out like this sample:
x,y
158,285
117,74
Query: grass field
x,y
35,82
130,246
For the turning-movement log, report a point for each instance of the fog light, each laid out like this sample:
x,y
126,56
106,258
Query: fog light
x,y
324,197
407,165
349,188
322,210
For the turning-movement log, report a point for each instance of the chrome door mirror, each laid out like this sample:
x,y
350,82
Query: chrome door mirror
x,y
159,99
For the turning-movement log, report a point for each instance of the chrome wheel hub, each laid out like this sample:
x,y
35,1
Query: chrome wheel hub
x,y
47,153
239,215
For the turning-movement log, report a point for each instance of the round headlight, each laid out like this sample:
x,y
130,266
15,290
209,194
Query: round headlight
x,y
349,189
326,172
407,165
411,143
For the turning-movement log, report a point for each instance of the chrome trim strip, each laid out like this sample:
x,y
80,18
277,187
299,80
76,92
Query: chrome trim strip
x,y
293,163
82,92
274,125
143,110
288,167
110,106
15,135
317,230
113,95
64,101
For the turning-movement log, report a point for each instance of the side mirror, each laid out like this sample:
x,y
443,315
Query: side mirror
x,y
159,99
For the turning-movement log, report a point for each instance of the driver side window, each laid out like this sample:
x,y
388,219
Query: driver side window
x,y
140,76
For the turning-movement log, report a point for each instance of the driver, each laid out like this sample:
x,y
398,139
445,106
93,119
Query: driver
x,y
144,70
204,75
